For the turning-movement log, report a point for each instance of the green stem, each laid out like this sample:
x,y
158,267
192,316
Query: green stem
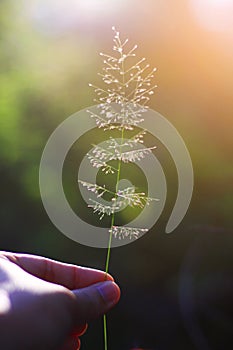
x,y
105,333
113,220
109,244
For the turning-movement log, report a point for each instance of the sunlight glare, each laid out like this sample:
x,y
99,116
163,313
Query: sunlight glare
x,y
215,15
97,7
54,16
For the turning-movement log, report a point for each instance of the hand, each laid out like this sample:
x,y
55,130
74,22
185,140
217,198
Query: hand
x,y
45,305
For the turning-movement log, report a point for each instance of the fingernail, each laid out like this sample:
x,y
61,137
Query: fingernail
x,y
109,291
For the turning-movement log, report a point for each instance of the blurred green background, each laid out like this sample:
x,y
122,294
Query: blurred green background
x,y
48,55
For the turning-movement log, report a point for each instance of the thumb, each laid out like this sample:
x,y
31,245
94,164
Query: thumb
x,y
95,300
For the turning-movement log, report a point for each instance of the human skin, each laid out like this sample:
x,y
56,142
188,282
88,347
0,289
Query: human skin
x,y
46,305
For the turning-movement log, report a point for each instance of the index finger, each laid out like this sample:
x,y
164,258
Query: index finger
x,y
68,275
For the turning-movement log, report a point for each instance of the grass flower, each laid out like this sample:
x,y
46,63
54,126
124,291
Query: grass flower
x,y
121,104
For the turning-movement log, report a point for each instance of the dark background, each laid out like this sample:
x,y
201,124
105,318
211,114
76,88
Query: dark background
x,y
177,289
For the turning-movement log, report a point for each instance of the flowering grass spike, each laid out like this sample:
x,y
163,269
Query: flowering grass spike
x,y
121,104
